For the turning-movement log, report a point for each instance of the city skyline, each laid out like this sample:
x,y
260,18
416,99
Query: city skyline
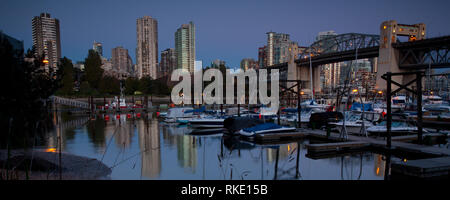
x,y
221,26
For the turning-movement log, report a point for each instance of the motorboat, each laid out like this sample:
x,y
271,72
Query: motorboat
x,y
397,128
264,128
177,115
118,102
291,115
432,99
206,122
353,123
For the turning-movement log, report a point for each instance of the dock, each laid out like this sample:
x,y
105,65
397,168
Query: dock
x,y
430,162
424,168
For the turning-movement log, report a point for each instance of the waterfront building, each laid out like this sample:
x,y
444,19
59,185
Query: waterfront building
x,y
262,56
185,47
278,47
147,47
121,62
46,40
168,62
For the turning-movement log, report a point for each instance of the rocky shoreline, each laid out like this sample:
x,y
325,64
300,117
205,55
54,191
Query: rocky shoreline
x,y
48,166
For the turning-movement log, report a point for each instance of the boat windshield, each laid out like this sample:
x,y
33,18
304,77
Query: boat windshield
x,y
395,124
352,117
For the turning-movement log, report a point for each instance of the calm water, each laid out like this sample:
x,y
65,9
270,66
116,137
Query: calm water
x,y
143,148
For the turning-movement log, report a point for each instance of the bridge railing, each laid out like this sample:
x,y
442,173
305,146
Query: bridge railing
x,y
70,102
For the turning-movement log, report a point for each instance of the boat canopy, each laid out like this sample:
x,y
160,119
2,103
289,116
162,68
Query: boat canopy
x,y
179,112
202,109
261,127
360,106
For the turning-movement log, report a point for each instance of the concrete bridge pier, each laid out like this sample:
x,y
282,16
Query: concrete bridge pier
x,y
388,60
304,74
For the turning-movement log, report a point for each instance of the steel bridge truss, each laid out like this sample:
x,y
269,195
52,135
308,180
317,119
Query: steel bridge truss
x,y
433,53
341,43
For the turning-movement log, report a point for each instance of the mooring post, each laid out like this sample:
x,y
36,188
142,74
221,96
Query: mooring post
x,y
276,163
92,105
389,113
299,107
89,103
239,110
419,107
145,103
387,169
297,170
278,115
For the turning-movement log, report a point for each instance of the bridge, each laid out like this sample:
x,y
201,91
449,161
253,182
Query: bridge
x,y
390,53
70,102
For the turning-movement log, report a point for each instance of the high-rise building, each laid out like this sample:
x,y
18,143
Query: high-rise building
x,y
277,50
249,63
185,47
46,39
121,62
168,62
97,47
262,56
147,47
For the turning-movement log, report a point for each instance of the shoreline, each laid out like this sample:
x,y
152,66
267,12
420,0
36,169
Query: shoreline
x,y
47,166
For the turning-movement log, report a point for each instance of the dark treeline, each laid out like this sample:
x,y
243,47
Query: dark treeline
x,y
93,82
25,88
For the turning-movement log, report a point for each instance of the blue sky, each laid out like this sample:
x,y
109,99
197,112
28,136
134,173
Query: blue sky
x,y
228,30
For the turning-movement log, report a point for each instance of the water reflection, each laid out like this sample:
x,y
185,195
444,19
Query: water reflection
x,y
140,147
149,144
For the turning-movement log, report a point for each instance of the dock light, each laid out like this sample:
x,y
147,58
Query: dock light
x,y
53,150
404,160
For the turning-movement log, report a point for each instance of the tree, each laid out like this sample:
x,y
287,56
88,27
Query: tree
x,y
145,85
25,88
86,89
93,69
109,85
131,85
67,82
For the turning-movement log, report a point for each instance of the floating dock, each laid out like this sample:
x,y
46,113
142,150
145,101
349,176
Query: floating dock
x,y
432,162
424,168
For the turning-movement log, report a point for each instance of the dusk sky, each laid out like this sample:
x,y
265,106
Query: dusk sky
x,y
226,30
